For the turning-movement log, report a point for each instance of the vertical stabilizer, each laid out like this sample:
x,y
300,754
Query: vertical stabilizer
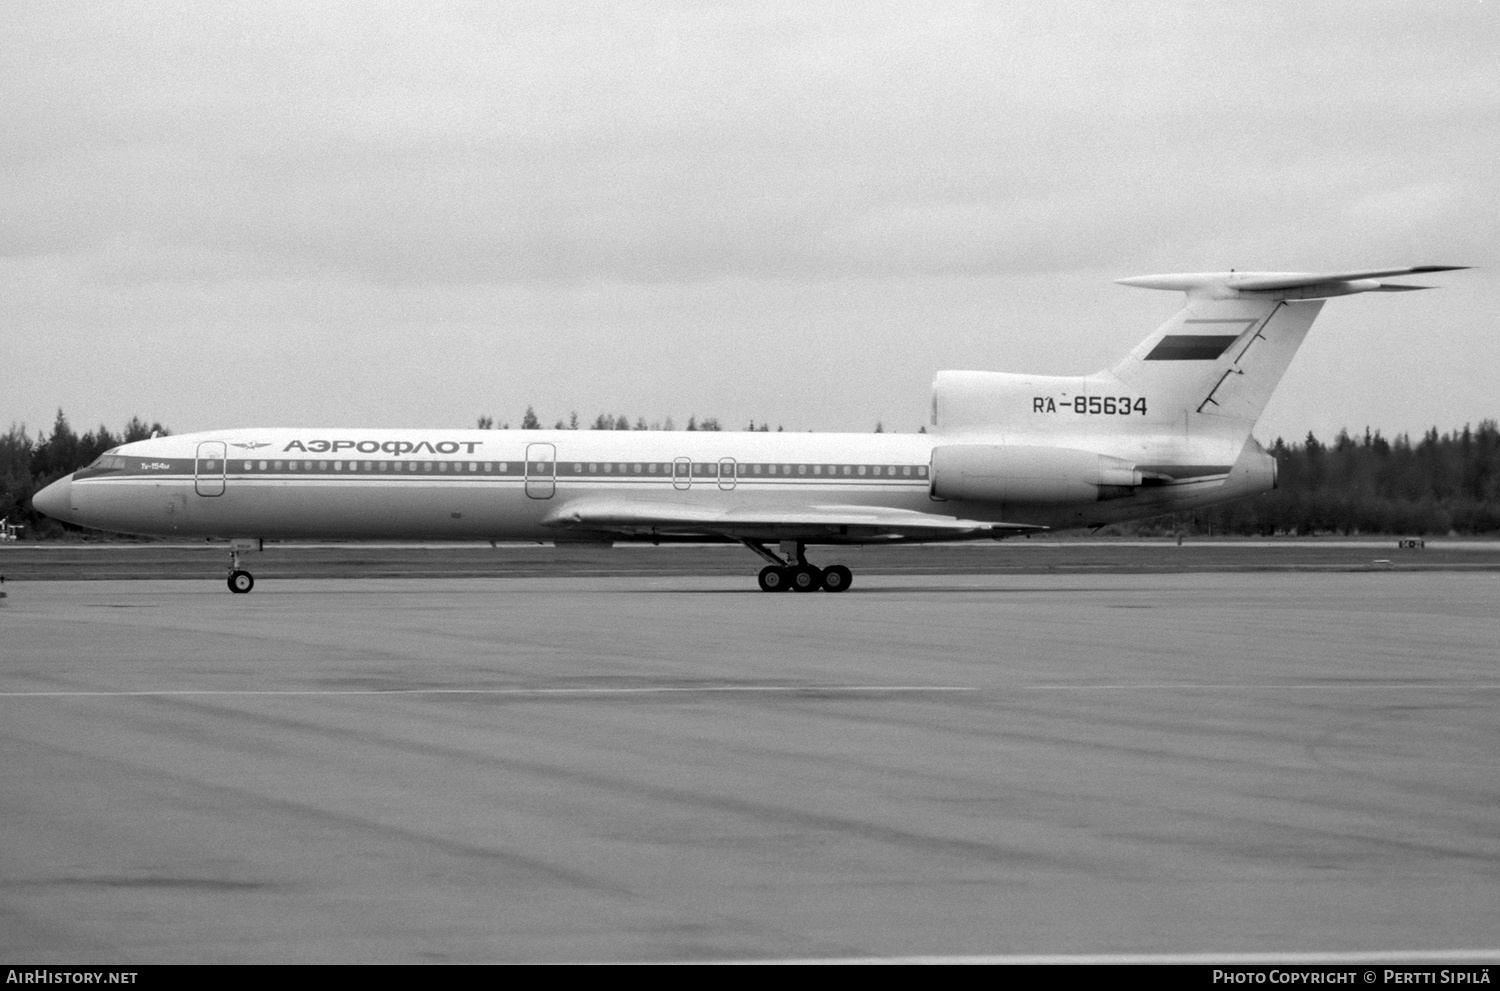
x,y
1217,361
1190,393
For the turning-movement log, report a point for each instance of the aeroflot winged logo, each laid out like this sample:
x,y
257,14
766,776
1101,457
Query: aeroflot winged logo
x,y
389,446
253,445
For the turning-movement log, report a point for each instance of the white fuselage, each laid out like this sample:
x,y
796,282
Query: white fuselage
x,y
509,485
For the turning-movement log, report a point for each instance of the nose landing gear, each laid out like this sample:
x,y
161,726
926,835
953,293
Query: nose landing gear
x,y
782,576
240,580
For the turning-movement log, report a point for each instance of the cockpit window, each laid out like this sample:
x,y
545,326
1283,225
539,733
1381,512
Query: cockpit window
x,y
108,462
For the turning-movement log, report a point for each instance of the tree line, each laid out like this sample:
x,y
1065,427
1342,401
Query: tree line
x,y
1439,484
606,421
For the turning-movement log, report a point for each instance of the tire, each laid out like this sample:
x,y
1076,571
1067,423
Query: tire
x,y
837,578
241,582
806,578
774,579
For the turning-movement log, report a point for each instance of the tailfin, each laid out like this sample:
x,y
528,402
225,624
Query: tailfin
x,y
1190,392
1219,359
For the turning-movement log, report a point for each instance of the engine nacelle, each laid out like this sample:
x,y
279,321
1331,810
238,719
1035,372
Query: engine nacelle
x,y
1029,475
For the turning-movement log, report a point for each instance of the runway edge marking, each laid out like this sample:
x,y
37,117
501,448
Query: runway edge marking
x,y
680,690
1356,958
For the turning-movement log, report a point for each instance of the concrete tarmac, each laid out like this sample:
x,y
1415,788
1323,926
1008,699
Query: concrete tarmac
x,y
678,768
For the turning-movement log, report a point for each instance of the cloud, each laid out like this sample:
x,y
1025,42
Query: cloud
x,y
459,144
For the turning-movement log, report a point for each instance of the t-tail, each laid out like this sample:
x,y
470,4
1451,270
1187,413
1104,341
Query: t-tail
x,y
1178,409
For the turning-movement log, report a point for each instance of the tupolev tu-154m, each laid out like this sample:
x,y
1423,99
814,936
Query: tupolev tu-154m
x,y
1167,428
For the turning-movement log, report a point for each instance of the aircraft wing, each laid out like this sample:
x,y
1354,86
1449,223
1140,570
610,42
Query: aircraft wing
x,y
642,518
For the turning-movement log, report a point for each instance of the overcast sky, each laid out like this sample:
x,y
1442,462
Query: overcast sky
x,y
413,214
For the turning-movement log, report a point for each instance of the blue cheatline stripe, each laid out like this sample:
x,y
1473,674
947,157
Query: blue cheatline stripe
x,y
599,470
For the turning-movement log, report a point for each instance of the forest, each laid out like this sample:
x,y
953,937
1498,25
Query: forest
x,y
1441,484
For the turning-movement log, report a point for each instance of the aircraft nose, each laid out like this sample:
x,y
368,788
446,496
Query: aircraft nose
x,y
56,500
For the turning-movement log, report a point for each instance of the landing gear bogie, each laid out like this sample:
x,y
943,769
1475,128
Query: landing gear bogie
x,y
241,581
795,574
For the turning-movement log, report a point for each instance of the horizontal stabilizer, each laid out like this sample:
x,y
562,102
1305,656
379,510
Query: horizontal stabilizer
x,y
1285,285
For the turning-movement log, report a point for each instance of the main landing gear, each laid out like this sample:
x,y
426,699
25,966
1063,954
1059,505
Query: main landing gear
x,y
781,576
240,580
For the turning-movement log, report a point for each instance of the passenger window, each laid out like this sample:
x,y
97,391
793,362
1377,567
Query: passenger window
x,y
262,466
922,471
861,469
906,469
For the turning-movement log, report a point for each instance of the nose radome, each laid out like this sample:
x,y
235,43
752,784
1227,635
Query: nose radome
x,y
56,500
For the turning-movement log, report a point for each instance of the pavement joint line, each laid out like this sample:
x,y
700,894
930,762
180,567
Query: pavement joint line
x,y
722,689
729,689
1296,686
1361,958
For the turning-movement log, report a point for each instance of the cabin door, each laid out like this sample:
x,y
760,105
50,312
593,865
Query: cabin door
x,y
541,471
208,468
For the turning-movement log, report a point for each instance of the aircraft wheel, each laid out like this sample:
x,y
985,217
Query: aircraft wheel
x,y
774,579
837,578
240,581
806,578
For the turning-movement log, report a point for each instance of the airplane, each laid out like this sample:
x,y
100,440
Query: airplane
x,y
1167,428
